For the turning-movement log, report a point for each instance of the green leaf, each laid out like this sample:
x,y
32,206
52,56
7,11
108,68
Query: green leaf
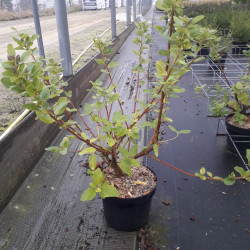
x,y
87,108
158,28
6,82
163,52
100,61
135,163
96,118
197,19
97,176
113,65
108,191
30,106
111,141
92,161
229,181
184,131
124,152
160,67
146,124
88,194
133,150
248,156
125,165
52,149
240,170
209,174
117,116
156,149
202,171
25,55
173,129
60,106
44,117
239,85
178,90
11,50
88,150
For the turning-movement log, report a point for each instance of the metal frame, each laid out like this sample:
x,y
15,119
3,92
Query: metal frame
x,y
208,73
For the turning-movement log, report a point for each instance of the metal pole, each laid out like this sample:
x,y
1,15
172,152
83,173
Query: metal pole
x,y
134,10
38,28
128,11
63,36
113,19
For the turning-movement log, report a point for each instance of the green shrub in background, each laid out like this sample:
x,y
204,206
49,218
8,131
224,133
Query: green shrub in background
x,y
240,26
220,16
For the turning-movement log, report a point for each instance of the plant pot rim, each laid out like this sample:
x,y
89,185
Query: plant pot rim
x,y
239,128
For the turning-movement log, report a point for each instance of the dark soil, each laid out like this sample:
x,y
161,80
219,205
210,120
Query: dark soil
x,y
141,183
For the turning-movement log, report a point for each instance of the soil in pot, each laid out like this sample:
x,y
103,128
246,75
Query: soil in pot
x,y
240,134
129,211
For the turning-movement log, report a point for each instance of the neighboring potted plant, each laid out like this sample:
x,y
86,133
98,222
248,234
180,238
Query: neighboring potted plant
x,y
219,51
112,138
234,103
240,29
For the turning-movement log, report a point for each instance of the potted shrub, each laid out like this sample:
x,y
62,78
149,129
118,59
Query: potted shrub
x,y
240,29
234,103
219,51
112,138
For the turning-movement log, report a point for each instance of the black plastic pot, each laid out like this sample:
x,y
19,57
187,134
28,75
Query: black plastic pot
x,y
239,47
240,137
126,214
215,64
204,51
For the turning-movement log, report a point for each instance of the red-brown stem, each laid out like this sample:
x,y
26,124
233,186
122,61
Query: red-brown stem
x,y
106,107
73,132
71,118
170,34
137,80
189,174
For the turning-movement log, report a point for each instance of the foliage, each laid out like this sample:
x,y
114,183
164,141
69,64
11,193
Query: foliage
x,y
240,26
234,99
113,135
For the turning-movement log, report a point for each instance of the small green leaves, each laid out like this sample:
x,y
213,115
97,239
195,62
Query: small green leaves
x,y
124,152
11,50
108,190
92,162
25,56
229,181
117,116
125,165
96,118
60,105
156,149
87,109
88,150
160,67
202,171
44,117
113,65
52,149
88,194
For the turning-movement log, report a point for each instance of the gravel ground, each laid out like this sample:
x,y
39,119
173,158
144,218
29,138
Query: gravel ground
x,y
83,26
